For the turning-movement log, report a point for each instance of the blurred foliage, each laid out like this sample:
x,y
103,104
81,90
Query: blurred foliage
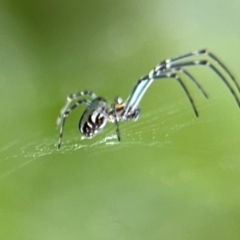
x,y
172,177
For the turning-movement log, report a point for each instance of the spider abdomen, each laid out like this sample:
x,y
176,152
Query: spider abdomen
x,y
93,120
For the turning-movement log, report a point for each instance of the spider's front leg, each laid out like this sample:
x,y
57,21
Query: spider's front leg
x,y
211,61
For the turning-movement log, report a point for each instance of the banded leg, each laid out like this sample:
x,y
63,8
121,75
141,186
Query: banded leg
x,y
144,83
71,98
66,114
188,74
201,52
212,67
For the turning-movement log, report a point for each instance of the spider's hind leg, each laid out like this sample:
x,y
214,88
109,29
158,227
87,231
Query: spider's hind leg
x,y
66,114
70,99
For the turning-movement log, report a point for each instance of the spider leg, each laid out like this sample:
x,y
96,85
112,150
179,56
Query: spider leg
x,y
137,93
211,55
175,76
189,75
201,53
212,67
171,66
143,84
71,98
195,81
116,120
66,114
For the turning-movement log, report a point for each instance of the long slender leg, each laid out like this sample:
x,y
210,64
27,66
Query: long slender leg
x,y
187,93
195,81
144,83
188,74
211,66
71,98
188,55
116,120
201,52
66,114
211,55
136,95
173,65
175,76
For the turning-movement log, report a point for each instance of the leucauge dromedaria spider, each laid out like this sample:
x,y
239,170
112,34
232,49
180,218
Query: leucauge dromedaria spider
x,y
99,112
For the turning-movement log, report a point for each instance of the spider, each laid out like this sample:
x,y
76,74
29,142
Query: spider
x,y
99,112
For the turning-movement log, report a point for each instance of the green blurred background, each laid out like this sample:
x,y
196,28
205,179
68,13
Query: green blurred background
x,y
173,176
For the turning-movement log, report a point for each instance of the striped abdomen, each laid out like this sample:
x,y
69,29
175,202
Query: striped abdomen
x,y
92,121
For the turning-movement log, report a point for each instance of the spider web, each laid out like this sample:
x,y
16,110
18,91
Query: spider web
x,y
152,130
